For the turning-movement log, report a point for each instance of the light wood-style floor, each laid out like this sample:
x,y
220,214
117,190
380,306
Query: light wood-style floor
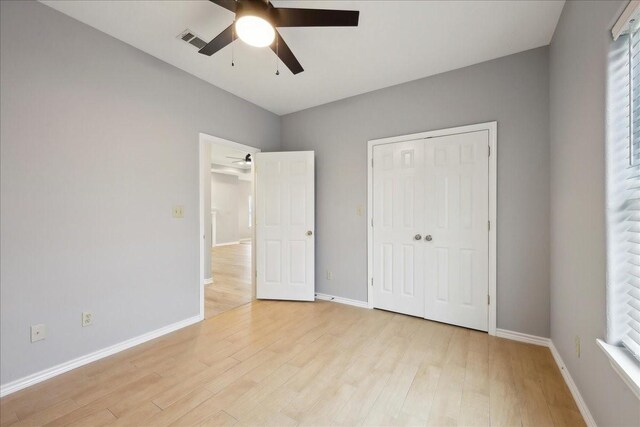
x,y
322,363
231,288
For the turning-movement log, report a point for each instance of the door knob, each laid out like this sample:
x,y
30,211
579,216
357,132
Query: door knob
x,y
417,237
309,233
428,238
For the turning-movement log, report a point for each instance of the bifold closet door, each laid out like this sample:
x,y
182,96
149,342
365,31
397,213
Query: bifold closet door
x,y
456,257
430,228
398,221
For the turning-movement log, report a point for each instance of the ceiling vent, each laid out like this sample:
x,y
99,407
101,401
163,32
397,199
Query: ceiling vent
x,y
189,37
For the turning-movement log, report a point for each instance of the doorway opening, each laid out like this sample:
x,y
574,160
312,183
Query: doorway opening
x,y
227,225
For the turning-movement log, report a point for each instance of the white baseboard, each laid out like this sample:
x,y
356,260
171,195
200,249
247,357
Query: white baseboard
x,y
356,303
208,281
45,374
582,405
519,336
226,244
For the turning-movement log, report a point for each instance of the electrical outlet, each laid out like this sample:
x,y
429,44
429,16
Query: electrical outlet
x,y
178,212
329,275
87,318
38,332
577,340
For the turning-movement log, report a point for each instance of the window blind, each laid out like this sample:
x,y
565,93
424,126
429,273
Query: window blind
x,y
624,192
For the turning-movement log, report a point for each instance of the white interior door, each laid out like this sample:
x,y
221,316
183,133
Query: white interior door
x,y
284,190
398,220
430,228
457,219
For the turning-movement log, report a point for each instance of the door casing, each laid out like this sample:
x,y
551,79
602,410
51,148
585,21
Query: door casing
x,y
204,166
492,128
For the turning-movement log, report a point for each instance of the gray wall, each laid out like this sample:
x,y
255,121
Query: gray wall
x,y
244,191
98,141
578,64
512,90
227,199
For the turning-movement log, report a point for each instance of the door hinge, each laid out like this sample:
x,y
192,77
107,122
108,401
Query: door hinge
x,y
372,221
488,299
489,151
489,225
372,162
372,281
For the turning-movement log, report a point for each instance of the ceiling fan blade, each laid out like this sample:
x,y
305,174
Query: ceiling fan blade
x,y
227,4
220,41
286,17
280,48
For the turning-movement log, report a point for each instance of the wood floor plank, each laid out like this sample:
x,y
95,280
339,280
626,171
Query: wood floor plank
x,y
215,404
533,404
97,419
138,417
219,419
504,402
231,287
181,407
445,408
49,414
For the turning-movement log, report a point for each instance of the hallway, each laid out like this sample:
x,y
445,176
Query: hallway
x,y
231,285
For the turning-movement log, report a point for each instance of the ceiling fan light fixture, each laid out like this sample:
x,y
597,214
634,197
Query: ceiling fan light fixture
x,y
255,31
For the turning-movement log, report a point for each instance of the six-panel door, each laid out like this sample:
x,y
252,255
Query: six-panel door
x,y
398,224
285,225
436,189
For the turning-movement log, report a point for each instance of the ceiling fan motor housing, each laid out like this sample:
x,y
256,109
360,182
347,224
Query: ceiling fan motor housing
x,y
254,8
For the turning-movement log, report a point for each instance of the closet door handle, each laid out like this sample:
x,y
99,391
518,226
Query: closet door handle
x,y
417,237
428,238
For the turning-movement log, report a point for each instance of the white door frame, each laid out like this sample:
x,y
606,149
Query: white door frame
x,y
492,128
209,139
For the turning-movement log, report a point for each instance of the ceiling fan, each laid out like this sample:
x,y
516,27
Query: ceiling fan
x,y
246,160
256,22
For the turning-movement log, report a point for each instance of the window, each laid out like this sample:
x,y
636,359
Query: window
x,y
623,199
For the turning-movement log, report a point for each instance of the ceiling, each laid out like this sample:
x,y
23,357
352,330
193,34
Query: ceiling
x,y
220,155
396,42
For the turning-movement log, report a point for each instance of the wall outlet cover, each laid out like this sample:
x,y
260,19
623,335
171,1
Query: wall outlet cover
x,y
178,212
87,318
38,332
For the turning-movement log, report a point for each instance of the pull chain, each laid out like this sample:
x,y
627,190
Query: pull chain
x,y
233,38
277,57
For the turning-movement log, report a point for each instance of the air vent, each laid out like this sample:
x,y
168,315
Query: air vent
x,y
189,37
198,42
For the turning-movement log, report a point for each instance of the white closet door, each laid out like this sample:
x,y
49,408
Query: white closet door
x,y
284,225
398,206
456,257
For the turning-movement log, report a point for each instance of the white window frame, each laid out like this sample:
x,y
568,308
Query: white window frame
x,y
621,359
